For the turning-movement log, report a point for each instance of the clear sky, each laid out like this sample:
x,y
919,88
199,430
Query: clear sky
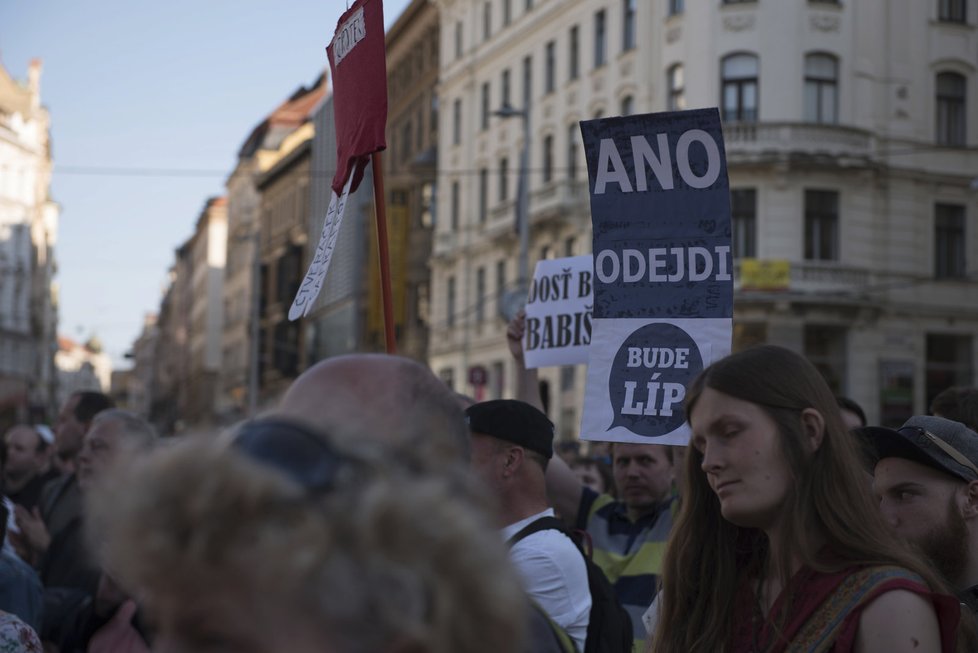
x,y
149,104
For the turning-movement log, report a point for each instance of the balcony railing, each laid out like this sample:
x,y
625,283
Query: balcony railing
x,y
762,139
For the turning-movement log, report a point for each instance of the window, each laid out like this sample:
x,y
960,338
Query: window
x,y
433,113
500,282
497,380
483,194
628,25
455,217
676,101
599,39
950,109
447,377
821,225
486,21
572,136
503,179
739,91
952,11
949,258
675,7
825,347
743,211
420,131
570,246
507,12
574,53
457,122
505,89
567,377
405,141
485,106
949,359
548,158
550,76
821,88
458,40
527,81
480,294
627,105
450,302
528,5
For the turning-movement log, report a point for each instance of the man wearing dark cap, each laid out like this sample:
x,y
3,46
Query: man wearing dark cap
x,y
511,445
927,480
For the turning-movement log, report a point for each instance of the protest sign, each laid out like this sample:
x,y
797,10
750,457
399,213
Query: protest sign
x,y
558,312
358,63
663,274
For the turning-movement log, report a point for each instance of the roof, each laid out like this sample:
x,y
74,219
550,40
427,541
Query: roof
x,y
290,114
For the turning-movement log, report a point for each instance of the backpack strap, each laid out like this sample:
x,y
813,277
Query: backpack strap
x,y
823,626
542,524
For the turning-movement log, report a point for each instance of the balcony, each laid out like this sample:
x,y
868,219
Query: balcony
x,y
806,278
558,200
778,141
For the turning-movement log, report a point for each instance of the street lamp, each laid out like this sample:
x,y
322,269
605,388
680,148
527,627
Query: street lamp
x,y
513,300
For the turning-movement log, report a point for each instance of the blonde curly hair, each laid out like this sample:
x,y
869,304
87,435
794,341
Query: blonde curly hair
x,y
388,560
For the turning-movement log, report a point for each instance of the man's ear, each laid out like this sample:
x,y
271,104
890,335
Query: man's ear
x,y
969,506
513,460
813,425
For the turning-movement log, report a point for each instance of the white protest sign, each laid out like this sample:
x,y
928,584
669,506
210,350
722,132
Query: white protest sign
x,y
313,281
558,312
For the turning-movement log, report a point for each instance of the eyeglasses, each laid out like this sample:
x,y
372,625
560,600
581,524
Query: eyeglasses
x,y
303,455
956,455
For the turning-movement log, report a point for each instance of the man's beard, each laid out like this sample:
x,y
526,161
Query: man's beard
x,y
946,546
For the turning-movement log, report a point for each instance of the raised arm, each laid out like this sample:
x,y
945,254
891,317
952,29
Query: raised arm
x,y
563,487
527,383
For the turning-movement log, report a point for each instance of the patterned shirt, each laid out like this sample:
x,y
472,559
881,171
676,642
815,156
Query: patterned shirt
x,y
16,636
629,553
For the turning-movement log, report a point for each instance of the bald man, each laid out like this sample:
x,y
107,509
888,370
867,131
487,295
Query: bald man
x,y
390,400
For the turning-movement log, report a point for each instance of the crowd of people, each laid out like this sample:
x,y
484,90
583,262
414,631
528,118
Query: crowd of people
x,y
373,510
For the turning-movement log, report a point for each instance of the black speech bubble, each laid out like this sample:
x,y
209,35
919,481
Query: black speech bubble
x,y
672,380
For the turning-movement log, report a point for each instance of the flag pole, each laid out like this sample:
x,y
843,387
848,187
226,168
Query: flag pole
x,y
385,270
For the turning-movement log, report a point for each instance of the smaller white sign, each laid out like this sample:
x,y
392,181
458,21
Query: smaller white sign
x,y
348,35
313,281
558,312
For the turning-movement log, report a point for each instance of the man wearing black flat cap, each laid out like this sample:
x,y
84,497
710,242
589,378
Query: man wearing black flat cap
x,y
926,477
511,443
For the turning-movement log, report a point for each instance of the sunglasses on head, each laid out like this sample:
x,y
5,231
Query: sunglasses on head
x,y
299,452
956,455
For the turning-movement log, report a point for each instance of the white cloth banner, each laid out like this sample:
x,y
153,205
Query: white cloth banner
x,y
558,312
313,281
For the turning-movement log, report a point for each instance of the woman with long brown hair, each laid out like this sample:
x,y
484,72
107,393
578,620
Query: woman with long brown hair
x,y
779,545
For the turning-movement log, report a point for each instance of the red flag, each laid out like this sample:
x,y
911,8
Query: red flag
x,y
357,59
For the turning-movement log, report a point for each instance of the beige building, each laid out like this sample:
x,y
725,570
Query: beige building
x,y
208,250
28,230
850,133
240,278
409,179
284,187
81,367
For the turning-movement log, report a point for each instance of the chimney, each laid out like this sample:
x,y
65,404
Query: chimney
x,y
34,82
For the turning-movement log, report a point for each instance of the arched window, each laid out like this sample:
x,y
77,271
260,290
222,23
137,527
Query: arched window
x,y
950,109
627,105
739,87
821,88
676,84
